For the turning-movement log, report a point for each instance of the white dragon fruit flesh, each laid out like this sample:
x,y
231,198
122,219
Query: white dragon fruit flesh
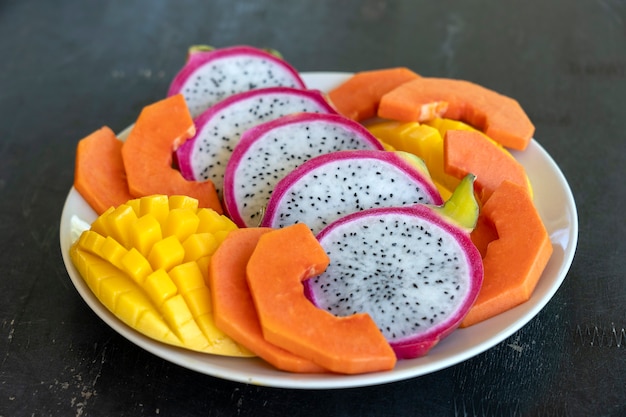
x,y
218,129
268,152
415,273
210,76
330,186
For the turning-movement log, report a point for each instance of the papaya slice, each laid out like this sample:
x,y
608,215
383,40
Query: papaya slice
x,y
483,234
358,97
467,152
147,154
280,262
99,175
422,99
233,308
514,262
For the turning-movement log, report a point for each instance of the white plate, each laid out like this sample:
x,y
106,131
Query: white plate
x,y
556,206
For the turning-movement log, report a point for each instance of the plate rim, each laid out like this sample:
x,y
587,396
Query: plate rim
x,y
278,379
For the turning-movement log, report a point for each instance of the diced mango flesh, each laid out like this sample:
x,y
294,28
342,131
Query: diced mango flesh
x,y
199,245
136,266
181,223
147,261
160,287
145,232
166,253
119,224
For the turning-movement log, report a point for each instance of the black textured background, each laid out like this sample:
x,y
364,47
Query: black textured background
x,y
68,67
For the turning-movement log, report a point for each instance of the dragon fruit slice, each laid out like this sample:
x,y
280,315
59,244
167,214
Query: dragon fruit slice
x,y
269,151
219,129
211,75
413,271
330,186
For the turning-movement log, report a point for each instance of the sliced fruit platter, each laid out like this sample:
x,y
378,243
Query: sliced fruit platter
x,y
317,230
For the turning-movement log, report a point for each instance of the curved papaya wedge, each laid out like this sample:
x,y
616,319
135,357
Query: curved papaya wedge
x,y
358,97
513,262
422,99
280,262
233,308
147,153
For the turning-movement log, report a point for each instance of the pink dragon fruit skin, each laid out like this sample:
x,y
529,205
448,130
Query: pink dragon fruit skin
x,y
219,128
209,76
413,271
330,186
269,151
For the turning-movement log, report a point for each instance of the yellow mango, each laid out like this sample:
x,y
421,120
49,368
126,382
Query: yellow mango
x,y
131,305
443,125
157,205
221,235
112,287
199,245
145,232
203,264
220,343
100,225
199,301
421,140
92,268
113,251
136,265
135,205
147,262
212,222
183,202
119,223
153,325
91,241
187,277
99,271
178,315
159,287
166,253
181,222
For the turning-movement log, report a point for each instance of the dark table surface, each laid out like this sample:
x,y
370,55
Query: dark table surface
x,y
67,68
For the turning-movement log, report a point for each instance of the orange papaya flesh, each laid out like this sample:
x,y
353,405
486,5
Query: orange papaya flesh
x,y
514,262
483,234
422,99
99,175
467,152
233,308
280,262
147,154
358,97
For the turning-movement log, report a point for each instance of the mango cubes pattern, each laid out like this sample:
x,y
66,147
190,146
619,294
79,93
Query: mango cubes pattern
x,y
147,262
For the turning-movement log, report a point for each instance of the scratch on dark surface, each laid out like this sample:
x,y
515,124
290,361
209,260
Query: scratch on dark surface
x,y
484,408
593,335
488,408
10,333
87,389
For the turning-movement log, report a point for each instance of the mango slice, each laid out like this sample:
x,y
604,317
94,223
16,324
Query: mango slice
x,y
147,261
422,140
426,141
